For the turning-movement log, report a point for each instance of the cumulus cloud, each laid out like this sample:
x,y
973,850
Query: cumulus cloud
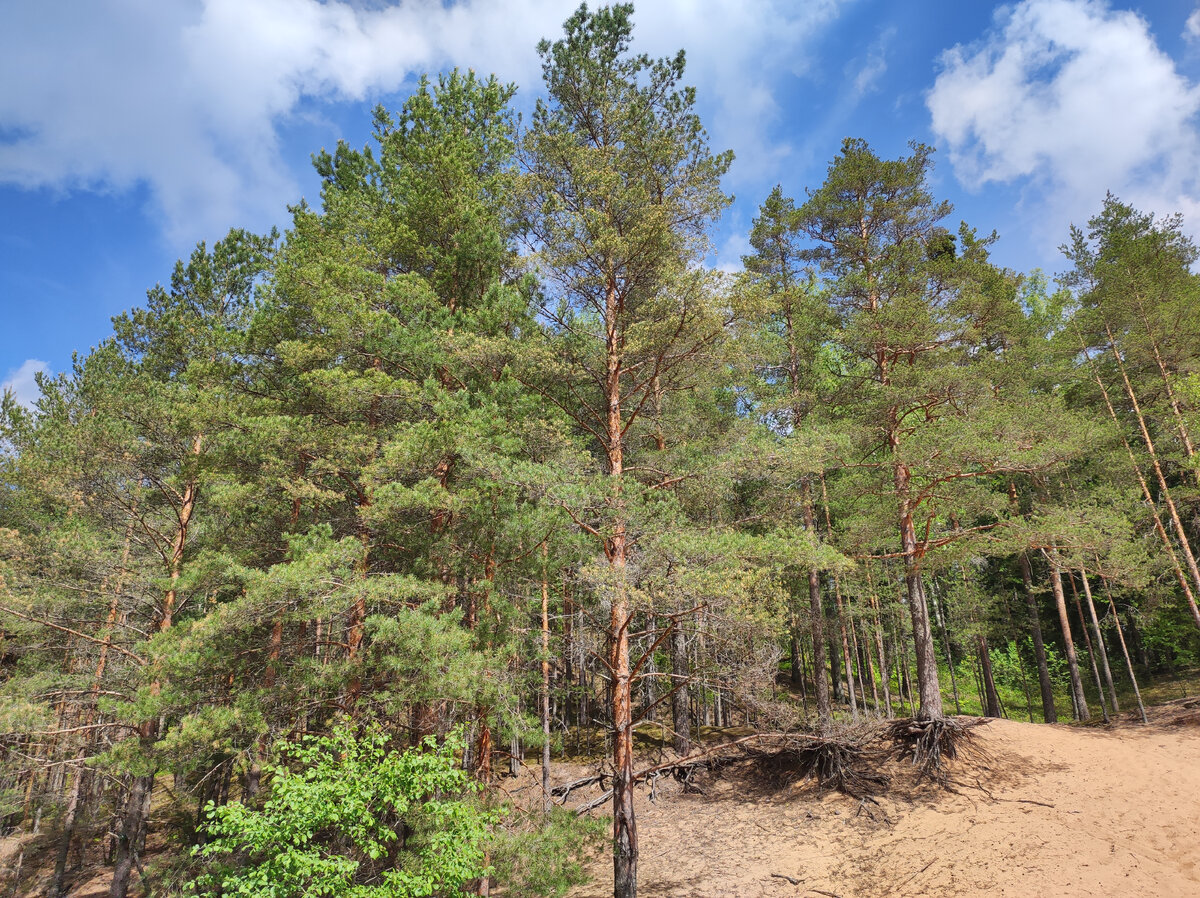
x,y
187,97
1191,28
1077,98
21,381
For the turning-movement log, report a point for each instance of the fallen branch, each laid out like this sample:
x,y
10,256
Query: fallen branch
x,y
1042,804
915,875
566,788
594,803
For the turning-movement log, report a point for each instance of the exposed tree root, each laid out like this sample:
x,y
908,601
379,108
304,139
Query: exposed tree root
x,y
848,760
843,762
931,742
844,765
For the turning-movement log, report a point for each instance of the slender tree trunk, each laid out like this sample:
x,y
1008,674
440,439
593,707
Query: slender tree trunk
x,y
796,675
680,701
1158,524
483,746
1180,532
132,824
1180,425
834,653
1087,639
897,652
625,843
1080,701
570,709
865,652
906,673
1012,626
547,801
847,658
850,657
817,622
187,508
137,805
1049,714
1098,637
949,659
992,698
1137,693
927,676
803,676
884,676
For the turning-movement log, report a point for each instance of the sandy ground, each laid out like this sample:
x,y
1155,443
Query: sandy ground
x,y
1041,811
1046,811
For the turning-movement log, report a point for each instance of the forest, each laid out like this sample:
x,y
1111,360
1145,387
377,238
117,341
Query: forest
x,y
483,464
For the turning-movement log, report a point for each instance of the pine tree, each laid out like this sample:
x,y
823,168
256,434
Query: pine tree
x,y
619,188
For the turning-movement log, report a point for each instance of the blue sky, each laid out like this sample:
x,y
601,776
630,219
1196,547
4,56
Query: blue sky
x,y
131,129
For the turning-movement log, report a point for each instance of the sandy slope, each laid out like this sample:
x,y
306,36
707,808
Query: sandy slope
x,y
1050,811
1045,811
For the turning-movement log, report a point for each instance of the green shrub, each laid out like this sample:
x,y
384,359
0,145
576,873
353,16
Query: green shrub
x,y
347,817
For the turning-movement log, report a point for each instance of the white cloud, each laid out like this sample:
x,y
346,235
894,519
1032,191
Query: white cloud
x,y
187,96
1075,98
1191,28
867,77
22,383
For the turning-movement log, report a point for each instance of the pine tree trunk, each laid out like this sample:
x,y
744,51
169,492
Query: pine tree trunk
x,y
1180,425
803,677
1180,531
680,703
570,710
817,623
1125,651
137,805
483,747
1060,600
1087,639
133,821
884,675
1158,524
547,800
928,686
949,659
860,653
1012,624
796,675
847,658
1098,637
837,685
1049,714
68,827
625,843
992,698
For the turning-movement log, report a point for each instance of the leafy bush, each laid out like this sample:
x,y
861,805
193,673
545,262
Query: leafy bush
x,y
347,817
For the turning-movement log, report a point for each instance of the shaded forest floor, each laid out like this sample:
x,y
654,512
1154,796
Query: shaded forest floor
x,y
1036,810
